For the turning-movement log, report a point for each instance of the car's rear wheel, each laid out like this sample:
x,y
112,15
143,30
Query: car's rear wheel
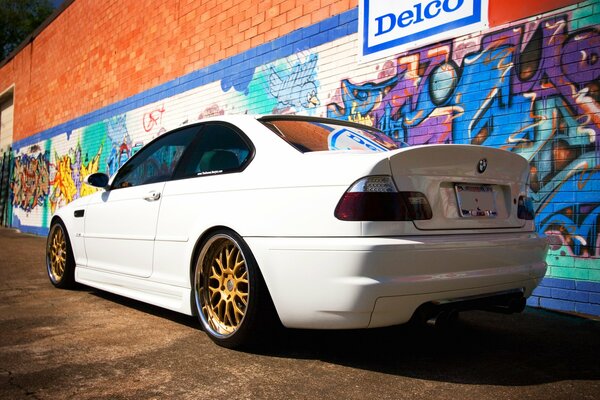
x,y
229,291
60,263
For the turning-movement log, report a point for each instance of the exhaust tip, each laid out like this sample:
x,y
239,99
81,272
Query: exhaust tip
x,y
443,319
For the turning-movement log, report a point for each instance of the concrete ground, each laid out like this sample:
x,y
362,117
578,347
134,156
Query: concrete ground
x,y
86,344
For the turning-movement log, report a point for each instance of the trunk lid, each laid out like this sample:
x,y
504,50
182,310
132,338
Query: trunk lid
x,y
467,186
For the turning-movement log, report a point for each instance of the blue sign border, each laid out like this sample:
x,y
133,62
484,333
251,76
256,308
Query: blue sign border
x,y
476,17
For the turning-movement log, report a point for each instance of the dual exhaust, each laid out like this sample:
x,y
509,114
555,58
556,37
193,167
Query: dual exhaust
x,y
444,313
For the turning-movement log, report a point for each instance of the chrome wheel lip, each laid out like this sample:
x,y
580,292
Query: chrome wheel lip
x,y
56,254
198,283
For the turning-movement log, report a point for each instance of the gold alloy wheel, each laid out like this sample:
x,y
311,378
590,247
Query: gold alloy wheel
x,y
223,285
57,254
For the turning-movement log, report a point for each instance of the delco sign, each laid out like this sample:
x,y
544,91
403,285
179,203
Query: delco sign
x,y
394,26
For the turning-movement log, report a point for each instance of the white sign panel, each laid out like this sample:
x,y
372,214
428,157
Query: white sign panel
x,y
393,26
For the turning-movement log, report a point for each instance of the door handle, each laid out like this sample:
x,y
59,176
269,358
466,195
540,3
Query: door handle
x,y
152,196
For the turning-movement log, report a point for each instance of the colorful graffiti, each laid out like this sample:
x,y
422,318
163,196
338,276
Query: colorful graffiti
x,y
69,172
30,182
532,89
63,184
120,143
295,85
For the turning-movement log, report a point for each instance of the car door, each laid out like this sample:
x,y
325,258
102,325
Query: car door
x,y
195,198
120,224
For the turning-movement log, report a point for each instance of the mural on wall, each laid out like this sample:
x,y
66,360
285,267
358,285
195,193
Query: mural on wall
x,y
69,172
287,86
119,143
531,88
296,86
30,184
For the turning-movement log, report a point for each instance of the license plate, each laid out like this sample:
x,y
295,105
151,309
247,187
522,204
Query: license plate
x,y
475,200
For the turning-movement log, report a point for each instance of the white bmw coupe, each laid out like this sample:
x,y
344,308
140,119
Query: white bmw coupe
x,y
319,223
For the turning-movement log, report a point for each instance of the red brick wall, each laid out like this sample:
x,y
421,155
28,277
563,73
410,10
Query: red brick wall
x,y
99,52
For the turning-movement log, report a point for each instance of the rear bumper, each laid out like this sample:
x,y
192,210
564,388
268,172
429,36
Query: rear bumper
x,y
343,283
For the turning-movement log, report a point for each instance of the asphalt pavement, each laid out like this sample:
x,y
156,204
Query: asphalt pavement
x,y
87,344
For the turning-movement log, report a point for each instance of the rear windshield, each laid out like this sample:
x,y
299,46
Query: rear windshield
x,y
325,135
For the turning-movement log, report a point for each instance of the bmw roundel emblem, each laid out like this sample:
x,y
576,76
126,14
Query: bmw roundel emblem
x,y
481,167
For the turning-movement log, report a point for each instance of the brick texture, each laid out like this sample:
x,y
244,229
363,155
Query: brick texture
x,y
96,53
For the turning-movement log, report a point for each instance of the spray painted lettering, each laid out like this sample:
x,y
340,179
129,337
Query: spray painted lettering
x,y
30,183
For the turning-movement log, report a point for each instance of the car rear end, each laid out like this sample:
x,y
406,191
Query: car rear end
x,y
446,227
471,225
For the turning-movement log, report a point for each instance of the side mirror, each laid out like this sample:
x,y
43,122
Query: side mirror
x,y
99,180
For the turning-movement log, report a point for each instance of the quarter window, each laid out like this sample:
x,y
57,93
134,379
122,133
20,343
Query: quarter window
x,y
219,149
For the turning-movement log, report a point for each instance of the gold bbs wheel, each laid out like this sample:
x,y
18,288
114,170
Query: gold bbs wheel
x,y
59,258
223,285
228,289
57,255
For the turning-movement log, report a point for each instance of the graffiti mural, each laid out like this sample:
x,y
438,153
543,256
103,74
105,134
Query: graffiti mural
x,y
90,167
30,181
119,142
63,184
295,85
532,89
69,172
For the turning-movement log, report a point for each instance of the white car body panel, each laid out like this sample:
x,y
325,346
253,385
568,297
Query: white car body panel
x,y
321,272
348,276
123,221
154,292
441,166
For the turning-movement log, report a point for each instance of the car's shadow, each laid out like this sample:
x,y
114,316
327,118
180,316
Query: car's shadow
x,y
531,348
179,318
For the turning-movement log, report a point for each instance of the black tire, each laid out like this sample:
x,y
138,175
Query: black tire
x,y
239,312
60,263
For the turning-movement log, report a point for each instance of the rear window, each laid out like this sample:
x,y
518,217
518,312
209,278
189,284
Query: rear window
x,y
308,135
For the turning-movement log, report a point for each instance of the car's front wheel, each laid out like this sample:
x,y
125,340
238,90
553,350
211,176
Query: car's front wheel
x,y
60,263
229,290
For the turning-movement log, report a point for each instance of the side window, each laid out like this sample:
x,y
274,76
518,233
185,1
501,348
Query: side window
x,y
219,149
157,161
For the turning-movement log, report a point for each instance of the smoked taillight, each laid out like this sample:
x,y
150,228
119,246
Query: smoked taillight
x,y
376,198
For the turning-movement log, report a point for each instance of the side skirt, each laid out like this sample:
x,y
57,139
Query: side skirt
x,y
159,294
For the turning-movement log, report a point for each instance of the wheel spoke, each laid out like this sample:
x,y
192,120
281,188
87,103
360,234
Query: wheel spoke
x,y
238,310
240,266
219,264
215,275
244,277
221,305
227,316
213,294
229,255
